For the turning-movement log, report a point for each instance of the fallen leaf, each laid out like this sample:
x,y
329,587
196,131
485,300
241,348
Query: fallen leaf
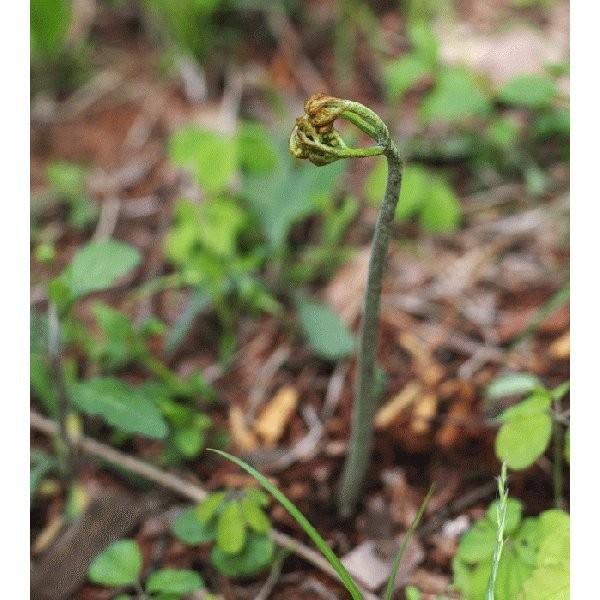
x,y
243,438
275,416
561,348
389,412
423,412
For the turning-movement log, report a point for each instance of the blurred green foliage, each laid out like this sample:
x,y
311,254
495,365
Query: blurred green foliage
x,y
236,524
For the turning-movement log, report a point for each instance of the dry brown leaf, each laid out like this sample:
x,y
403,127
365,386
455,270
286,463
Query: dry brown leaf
x,y
388,413
430,371
242,437
423,412
561,348
275,416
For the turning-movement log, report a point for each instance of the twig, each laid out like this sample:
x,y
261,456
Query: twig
x,y
109,215
54,350
176,484
273,577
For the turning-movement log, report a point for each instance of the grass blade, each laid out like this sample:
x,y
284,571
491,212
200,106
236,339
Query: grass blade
x,y
312,533
500,522
389,588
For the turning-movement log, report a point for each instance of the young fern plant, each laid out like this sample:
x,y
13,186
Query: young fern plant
x,y
314,138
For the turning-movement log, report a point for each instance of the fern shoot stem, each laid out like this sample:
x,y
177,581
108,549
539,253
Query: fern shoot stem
x,y
364,408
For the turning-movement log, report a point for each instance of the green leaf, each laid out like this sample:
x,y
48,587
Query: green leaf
x,y
531,91
207,508
423,40
254,516
525,432
478,543
312,533
256,555
66,179
403,73
456,97
291,191
441,212
231,528
99,265
120,564
415,191
41,465
514,512
188,528
412,593
120,405
189,441
211,158
511,384
42,383
538,402
174,581
327,334
49,23
257,151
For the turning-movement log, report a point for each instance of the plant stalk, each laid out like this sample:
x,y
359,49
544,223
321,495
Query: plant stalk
x,y
558,448
65,446
364,408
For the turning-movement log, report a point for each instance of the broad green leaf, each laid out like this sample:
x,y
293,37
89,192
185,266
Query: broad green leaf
x,y
254,516
99,265
49,23
231,528
327,334
120,405
211,158
187,528
403,73
441,212
527,540
521,440
512,572
257,150
415,191
538,402
120,564
174,581
457,96
256,555
423,41
511,384
478,543
282,197
207,509
514,511
531,91
312,533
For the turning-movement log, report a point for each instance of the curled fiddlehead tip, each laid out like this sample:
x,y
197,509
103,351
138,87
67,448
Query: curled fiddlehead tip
x,y
314,137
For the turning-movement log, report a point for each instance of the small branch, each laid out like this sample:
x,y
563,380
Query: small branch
x,y
273,578
66,453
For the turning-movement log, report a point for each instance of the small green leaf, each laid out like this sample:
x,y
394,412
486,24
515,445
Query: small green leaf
x,y
99,265
254,516
49,23
538,402
231,528
207,508
525,432
514,511
189,441
423,40
412,593
457,96
478,543
187,528
256,555
212,158
257,151
174,581
403,73
531,91
120,405
120,564
511,384
441,211
326,332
